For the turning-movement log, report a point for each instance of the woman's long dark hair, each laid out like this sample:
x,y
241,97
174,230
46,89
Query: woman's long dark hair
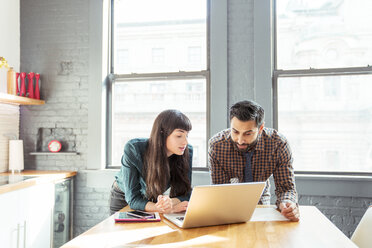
x,y
158,168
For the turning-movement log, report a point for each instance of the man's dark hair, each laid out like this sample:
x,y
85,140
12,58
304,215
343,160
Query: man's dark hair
x,y
248,111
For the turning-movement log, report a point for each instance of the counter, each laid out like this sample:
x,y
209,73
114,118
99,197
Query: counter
x,y
10,182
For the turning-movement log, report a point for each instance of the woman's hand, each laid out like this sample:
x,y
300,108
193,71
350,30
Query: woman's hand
x,y
180,207
168,205
164,204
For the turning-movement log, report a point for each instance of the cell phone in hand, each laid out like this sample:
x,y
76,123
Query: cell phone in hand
x,y
141,214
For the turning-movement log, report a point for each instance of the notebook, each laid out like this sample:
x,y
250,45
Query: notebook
x,y
219,204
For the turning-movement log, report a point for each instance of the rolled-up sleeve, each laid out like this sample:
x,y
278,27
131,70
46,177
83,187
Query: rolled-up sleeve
x,y
218,174
285,188
131,178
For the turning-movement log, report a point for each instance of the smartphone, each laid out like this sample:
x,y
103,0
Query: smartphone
x,y
141,214
125,217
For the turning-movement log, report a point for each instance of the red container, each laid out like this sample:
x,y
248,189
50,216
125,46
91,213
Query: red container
x,y
17,82
37,86
30,91
23,84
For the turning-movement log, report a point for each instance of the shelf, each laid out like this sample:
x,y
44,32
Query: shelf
x,y
54,153
19,100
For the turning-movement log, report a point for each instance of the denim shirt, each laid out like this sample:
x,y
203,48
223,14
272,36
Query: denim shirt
x,y
130,178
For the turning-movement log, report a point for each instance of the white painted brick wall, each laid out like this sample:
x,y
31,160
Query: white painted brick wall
x,y
9,125
91,204
54,33
344,212
55,43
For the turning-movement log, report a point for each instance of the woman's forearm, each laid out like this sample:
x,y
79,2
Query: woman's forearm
x,y
175,201
151,207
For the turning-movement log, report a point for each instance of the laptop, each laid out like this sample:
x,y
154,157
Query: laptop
x,y
218,204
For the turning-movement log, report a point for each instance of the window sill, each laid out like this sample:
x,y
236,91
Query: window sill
x,y
357,177
102,178
312,185
334,185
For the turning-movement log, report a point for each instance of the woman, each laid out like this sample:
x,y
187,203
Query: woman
x,y
151,166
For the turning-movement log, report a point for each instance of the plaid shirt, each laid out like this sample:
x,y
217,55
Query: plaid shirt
x,y
272,156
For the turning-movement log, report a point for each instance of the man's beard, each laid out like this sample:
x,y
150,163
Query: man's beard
x,y
249,146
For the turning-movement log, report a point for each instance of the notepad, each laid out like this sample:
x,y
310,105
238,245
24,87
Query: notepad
x,y
124,217
267,214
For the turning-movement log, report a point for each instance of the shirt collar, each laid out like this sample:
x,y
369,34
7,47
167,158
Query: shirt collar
x,y
260,144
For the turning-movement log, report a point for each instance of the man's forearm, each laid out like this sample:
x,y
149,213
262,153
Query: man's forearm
x,y
290,195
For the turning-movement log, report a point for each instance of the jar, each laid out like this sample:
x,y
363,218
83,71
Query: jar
x,y
12,83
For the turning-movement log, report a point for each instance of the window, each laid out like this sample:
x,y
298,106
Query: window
x,y
323,83
159,55
123,57
194,55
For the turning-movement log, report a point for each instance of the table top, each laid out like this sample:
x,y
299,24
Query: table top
x,y
313,230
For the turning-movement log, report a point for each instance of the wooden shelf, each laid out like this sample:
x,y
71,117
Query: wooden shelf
x,y
53,153
19,100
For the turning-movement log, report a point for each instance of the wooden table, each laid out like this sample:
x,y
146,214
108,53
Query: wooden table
x,y
313,230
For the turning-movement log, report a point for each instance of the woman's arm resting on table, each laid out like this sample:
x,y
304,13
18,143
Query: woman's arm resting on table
x,y
166,205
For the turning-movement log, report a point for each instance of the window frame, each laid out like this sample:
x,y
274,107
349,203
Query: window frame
x,y
113,77
311,72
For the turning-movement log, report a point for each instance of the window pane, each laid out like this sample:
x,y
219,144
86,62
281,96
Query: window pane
x,y
137,103
158,35
328,122
323,33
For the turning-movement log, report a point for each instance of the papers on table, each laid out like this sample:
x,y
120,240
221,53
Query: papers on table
x,y
267,214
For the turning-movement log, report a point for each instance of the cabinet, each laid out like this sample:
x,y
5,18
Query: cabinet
x,y
10,226
37,206
26,217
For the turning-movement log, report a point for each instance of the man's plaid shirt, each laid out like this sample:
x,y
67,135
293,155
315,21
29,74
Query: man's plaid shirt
x,y
272,156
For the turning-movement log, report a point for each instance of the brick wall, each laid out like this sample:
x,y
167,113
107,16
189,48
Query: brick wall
x,y
9,126
344,212
55,43
91,204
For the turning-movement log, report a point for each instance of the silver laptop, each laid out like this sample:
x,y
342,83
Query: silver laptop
x,y
219,204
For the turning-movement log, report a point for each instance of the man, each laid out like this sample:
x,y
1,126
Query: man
x,y
250,152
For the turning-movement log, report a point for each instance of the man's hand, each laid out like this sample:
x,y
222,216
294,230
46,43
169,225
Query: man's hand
x,y
290,210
